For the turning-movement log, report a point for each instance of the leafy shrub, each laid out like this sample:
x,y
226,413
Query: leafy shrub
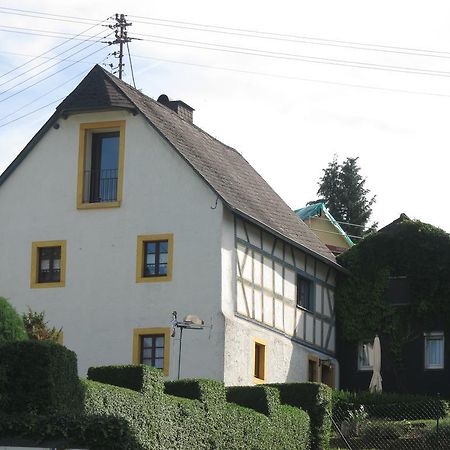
x,y
37,328
390,406
11,325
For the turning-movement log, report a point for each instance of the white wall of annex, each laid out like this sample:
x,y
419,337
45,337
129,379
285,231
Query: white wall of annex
x,y
101,303
286,361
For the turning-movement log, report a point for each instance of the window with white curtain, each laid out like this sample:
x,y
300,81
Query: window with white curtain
x,y
365,356
434,350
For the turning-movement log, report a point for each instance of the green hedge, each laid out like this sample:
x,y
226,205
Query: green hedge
x,y
38,377
141,378
43,401
316,400
390,406
263,399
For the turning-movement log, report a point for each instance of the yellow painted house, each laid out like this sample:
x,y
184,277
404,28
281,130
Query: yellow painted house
x,y
325,227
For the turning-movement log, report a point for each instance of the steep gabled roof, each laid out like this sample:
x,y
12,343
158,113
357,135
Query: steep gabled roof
x,y
226,171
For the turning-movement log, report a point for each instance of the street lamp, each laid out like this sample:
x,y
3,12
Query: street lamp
x,y
190,322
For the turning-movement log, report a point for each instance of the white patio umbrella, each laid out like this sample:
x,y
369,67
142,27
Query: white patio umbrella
x,y
375,382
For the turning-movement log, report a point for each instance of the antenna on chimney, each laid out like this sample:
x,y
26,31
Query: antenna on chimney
x,y
121,38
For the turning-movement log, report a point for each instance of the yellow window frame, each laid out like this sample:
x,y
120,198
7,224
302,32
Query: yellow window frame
x,y
85,129
259,346
140,257
138,332
35,246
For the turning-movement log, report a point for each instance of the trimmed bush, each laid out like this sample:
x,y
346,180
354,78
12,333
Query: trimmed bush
x,y
38,377
209,392
142,378
11,324
263,399
316,400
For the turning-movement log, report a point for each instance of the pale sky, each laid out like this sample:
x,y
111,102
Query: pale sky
x,y
285,115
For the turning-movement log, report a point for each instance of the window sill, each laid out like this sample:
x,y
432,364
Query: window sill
x,y
258,381
47,285
434,368
153,279
365,369
99,205
304,309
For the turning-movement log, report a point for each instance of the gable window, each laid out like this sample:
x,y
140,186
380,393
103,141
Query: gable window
x,y
48,264
154,258
434,350
151,347
100,165
304,293
259,361
365,356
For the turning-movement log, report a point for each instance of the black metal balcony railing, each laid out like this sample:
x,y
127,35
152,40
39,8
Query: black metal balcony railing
x,y
100,185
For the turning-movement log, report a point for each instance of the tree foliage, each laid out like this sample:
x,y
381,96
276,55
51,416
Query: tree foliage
x,y
11,325
342,189
37,328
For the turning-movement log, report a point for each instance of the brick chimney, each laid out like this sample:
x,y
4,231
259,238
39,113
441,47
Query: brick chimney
x,y
181,108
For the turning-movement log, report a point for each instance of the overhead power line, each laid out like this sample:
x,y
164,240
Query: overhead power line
x,y
45,33
290,56
44,70
52,49
288,77
45,62
53,74
43,15
294,38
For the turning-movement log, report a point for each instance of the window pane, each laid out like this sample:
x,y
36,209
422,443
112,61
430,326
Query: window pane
x,y
365,355
150,258
150,247
159,352
147,353
45,265
434,349
159,363
163,246
147,341
159,341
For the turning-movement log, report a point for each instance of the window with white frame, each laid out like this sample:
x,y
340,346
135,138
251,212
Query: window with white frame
x,y
365,356
434,350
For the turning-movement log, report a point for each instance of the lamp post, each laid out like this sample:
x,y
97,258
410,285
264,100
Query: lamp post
x,y
190,322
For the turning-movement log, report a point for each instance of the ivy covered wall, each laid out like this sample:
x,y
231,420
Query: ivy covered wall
x,y
405,248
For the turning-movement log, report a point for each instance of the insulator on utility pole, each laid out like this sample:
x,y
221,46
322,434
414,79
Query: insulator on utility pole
x,y
121,38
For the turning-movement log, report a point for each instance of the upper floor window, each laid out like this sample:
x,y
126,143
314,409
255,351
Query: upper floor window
x,y
305,293
100,167
154,258
434,350
365,356
48,264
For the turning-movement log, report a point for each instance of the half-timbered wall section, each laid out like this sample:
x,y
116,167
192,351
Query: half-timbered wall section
x,y
268,273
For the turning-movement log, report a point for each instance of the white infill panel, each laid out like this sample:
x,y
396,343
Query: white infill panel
x,y
289,284
268,309
278,279
288,255
299,259
257,269
318,329
278,251
326,303
268,242
289,319
246,267
254,235
279,314
309,327
240,299
249,300
318,298
240,232
326,329
258,305
268,274
332,343
299,323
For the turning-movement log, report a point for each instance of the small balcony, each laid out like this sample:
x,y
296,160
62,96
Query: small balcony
x,y
100,185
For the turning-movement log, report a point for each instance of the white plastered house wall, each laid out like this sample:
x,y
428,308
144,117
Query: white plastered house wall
x,y
101,302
